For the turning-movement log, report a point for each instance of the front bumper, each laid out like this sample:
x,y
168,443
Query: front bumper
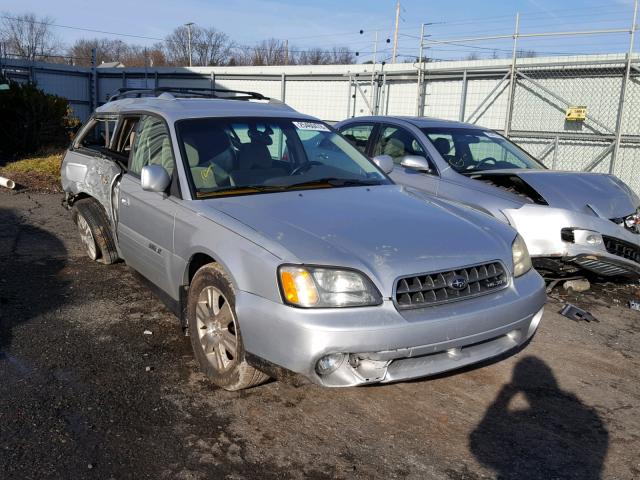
x,y
382,344
541,227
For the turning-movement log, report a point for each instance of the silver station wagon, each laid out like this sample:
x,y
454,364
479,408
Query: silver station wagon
x,y
571,221
284,250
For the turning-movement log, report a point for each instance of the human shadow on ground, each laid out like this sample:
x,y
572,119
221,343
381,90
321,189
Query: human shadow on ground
x,y
30,261
535,430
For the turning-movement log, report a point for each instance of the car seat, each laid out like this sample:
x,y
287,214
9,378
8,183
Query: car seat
x,y
210,158
256,154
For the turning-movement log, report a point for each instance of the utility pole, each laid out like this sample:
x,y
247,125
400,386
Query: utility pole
x,y
189,25
373,67
420,96
395,33
512,78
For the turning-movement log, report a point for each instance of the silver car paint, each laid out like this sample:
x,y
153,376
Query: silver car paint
x,y
576,199
250,236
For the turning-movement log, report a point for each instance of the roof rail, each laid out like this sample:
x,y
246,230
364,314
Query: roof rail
x,y
187,93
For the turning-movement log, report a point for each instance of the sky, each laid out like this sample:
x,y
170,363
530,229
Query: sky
x,y
329,23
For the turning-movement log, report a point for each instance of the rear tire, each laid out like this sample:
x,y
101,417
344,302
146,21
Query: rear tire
x,y
95,231
215,332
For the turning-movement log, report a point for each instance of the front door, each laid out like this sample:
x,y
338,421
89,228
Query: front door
x,y
146,219
397,142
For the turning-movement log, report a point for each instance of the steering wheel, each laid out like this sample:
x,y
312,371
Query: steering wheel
x,y
455,162
304,167
487,161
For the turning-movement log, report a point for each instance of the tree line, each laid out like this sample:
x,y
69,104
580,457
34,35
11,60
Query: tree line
x,y
31,37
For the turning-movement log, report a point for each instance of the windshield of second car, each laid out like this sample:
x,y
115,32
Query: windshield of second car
x,y
249,155
471,150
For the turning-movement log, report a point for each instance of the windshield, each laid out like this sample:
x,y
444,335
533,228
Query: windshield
x,y
470,150
228,156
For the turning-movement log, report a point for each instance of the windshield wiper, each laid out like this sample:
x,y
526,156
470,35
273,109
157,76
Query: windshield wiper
x,y
241,189
336,182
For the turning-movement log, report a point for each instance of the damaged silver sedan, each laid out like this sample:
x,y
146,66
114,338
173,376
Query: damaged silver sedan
x,y
571,221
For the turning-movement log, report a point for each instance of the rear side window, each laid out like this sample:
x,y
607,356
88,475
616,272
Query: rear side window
x,y
151,146
358,135
98,136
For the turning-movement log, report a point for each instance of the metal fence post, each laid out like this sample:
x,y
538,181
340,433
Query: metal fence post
x,y
283,86
512,79
349,97
556,143
623,92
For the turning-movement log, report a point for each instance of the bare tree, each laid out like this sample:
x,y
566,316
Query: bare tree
x,y
312,56
526,53
208,46
107,50
29,36
341,56
269,52
318,56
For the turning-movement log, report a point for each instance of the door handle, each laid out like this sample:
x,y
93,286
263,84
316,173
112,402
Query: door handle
x,y
124,201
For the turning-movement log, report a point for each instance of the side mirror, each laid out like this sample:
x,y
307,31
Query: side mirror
x,y
416,162
154,178
384,162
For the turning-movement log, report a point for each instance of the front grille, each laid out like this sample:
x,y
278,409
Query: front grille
x,y
621,248
435,288
602,267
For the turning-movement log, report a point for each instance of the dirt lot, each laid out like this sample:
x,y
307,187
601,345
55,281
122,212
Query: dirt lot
x,y
77,401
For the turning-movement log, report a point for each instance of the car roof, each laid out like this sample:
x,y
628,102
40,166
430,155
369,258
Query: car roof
x,y
420,122
173,109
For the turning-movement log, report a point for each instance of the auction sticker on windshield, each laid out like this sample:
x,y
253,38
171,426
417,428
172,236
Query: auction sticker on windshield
x,y
318,127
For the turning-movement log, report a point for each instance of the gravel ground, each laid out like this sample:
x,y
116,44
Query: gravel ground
x,y
85,394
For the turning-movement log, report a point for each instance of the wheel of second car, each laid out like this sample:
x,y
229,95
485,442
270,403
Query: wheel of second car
x,y
215,333
95,231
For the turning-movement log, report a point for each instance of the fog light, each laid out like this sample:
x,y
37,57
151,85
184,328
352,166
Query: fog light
x,y
588,237
329,363
594,239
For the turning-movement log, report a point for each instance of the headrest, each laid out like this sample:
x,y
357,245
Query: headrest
x,y
443,145
263,137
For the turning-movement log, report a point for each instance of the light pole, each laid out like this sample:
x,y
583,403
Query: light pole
x,y
189,25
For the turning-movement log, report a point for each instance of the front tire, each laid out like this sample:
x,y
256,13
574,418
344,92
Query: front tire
x,y
215,333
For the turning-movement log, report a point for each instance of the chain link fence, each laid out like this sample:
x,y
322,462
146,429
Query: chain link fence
x,y
531,109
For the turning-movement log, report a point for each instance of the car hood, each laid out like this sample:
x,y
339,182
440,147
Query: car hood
x,y
606,195
385,231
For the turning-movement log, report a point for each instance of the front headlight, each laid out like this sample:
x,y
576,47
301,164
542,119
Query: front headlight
x,y
322,287
521,258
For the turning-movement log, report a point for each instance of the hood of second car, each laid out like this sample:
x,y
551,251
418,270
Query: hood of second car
x,y
585,192
385,230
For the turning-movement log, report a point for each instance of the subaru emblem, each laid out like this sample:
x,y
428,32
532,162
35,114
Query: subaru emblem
x,y
458,283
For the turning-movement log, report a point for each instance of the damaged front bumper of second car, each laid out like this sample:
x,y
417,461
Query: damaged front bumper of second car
x,y
564,241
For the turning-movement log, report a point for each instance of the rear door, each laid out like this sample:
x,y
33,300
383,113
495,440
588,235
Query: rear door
x,y
89,165
146,219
